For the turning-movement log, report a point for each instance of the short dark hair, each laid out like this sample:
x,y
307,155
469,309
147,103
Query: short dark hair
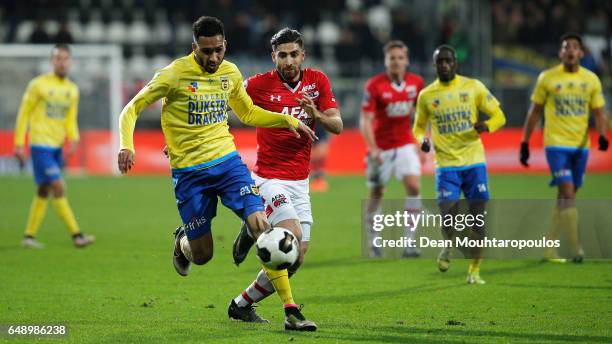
x,y
447,48
208,27
287,35
62,46
571,35
395,44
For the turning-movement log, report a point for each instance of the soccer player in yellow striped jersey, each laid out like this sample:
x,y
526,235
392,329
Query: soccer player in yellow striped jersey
x,y
48,113
566,93
452,104
196,91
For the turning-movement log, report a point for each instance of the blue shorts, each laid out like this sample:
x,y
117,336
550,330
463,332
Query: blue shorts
x,y
197,191
567,165
472,180
47,163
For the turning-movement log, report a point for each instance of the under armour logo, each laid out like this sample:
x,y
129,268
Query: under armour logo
x,y
275,98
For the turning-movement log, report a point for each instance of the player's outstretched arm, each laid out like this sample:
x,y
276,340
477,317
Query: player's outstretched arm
x,y
251,114
533,117
159,87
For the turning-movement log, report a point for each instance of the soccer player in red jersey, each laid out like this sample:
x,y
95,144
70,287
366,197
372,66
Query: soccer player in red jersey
x,y
389,101
282,167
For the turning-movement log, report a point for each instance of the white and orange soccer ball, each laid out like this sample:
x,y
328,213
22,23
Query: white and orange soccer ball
x,y
277,248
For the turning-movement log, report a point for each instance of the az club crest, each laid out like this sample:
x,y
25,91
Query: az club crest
x,y
225,83
463,97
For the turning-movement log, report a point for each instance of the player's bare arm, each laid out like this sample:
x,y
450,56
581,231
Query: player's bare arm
x,y
71,148
533,117
330,119
20,154
600,126
365,125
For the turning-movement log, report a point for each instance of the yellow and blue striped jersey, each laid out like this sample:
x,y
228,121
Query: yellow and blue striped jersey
x,y
194,112
48,112
567,98
453,108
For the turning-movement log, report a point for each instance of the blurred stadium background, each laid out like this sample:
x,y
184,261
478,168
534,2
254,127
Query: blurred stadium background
x,y
502,42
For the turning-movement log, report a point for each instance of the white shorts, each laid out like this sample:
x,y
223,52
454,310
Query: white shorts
x,y
402,161
286,199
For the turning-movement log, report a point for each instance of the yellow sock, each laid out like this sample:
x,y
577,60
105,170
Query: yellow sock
x,y
569,218
553,233
475,266
37,213
65,213
280,281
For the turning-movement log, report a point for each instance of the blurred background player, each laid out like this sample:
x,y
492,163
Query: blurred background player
x,y
282,166
389,100
452,104
197,90
48,112
566,93
318,158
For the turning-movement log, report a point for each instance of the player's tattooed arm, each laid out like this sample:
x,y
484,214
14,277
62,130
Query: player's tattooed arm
x,y
330,119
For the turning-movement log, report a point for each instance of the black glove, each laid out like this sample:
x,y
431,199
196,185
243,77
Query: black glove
x,y
603,143
425,146
524,156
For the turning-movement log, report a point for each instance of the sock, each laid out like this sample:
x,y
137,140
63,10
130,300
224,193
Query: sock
x,y
280,281
569,218
65,213
257,291
553,233
37,213
412,206
185,248
475,266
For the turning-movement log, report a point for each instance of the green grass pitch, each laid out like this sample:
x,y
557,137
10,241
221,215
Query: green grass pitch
x,y
124,288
